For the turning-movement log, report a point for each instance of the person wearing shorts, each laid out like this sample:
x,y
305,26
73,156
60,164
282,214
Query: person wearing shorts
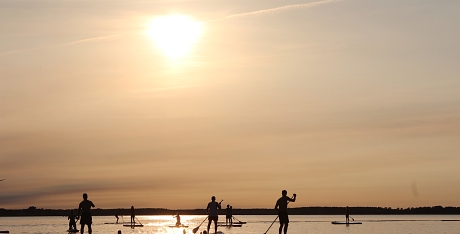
x,y
85,218
281,207
212,213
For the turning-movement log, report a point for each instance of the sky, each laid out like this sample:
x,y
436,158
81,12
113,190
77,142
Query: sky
x,y
165,103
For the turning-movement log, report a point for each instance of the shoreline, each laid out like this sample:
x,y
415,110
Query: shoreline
x,y
435,210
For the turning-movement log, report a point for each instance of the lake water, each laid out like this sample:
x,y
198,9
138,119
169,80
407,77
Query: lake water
x,y
256,224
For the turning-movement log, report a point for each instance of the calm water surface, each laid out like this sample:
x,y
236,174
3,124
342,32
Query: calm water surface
x,y
256,224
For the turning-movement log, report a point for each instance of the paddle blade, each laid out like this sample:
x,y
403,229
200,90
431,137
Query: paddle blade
x,y
195,229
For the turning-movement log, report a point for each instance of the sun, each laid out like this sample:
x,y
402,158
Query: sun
x,y
174,35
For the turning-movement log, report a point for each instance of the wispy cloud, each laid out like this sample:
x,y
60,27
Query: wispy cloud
x,y
279,9
88,40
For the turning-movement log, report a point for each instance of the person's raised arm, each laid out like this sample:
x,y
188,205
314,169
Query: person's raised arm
x,y
219,206
293,199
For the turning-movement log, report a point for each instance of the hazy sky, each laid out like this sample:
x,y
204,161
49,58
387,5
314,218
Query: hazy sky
x,y
166,103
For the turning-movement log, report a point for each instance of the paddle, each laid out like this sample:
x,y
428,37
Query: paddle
x,y
275,219
196,229
139,222
237,219
351,218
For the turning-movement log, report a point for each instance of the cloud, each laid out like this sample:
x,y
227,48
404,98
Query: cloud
x,y
280,9
93,39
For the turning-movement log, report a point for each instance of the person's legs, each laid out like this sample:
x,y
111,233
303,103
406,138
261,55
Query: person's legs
x,y
89,229
209,224
82,228
285,228
215,225
281,228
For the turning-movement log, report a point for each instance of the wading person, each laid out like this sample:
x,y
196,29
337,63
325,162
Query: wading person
x,y
212,213
281,207
85,218
117,214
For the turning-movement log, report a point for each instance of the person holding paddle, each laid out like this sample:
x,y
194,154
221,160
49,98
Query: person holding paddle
x,y
178,223
212,213
133,216
86,218
228,215
281,207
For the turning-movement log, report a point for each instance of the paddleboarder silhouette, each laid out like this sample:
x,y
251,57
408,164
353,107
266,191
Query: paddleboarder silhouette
x,y
211,209
85,218
281,206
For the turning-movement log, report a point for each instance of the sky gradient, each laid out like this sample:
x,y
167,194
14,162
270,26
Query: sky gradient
x,y
346,103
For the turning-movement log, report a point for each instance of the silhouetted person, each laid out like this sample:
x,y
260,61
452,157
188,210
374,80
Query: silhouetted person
x,y
85,218
133,215
211,209
228,215
72,223
177,219
281,206
116,215
347,215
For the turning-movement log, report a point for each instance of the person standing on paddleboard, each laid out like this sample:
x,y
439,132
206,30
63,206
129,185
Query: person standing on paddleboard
x,y
72,223
178,223
228,215
133,216
347,215
281,207
85,218
212,213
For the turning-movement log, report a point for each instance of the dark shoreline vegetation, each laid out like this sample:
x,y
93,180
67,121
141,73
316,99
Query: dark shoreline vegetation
x,y
33,211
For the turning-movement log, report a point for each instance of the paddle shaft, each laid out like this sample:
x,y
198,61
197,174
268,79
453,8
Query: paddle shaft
x,y
196,229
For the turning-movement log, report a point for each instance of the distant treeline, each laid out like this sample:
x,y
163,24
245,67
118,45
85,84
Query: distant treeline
x,y
33,211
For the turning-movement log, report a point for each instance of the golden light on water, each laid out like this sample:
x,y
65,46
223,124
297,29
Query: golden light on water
x,y
174,35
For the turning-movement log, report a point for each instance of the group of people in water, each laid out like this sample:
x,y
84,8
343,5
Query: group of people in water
x,y
84,214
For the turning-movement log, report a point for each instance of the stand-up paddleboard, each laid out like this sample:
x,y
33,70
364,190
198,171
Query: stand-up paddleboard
x,y
133,225
72,230
341,222
4,231
232,222
112,223
178,226
229,225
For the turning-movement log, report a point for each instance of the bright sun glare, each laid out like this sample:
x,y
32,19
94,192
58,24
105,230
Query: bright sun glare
x,y
174,35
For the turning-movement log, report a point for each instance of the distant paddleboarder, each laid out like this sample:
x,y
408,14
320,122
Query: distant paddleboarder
x,y
212,213
347,215
72,223
178,219
281,207
228,215
133,216
85,218
116,215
